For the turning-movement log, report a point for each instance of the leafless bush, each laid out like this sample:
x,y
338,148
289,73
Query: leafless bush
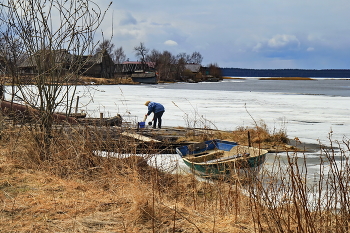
x,y
52,37
289,198
286,197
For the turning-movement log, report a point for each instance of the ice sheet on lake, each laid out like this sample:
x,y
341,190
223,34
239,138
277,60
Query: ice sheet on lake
x,y
308,117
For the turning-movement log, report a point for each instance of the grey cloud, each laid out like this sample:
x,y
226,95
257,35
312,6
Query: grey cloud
x,y
283,41
282,46
128,19
265,34
277,43
170,43
160,24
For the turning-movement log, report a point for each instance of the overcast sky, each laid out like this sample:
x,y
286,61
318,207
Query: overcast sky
x,y
310,34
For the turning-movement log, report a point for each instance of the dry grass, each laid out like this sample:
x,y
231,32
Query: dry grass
x,y
76,191
82,80
104,81
258,136
34,201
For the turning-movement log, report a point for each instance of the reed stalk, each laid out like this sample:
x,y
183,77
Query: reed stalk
x,y
119,189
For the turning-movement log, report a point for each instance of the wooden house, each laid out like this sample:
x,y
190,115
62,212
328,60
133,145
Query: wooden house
x,y
194,68
46,61
99,65
192,72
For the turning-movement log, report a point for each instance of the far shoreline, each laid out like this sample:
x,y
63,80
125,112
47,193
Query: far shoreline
x,y
273,78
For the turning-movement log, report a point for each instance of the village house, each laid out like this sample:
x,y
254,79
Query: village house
x,y
99,65
46,60
129,67
194,68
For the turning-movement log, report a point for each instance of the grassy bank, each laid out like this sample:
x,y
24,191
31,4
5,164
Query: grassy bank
x,y
81,80
126,80
76,191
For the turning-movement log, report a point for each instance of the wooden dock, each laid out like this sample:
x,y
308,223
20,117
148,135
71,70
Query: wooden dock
x,y
108,133
128,138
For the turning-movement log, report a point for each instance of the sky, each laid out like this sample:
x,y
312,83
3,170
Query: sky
x,y
269,34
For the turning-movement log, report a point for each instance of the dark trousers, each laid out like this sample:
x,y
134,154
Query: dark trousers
x,y
157,118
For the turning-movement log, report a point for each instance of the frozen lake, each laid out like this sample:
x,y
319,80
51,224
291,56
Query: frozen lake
x,y
309,110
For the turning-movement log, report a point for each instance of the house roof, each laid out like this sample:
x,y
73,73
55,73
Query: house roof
x,y
193,67
96,58
60,56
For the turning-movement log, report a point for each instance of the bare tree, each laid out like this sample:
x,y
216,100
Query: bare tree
x,y
215,70
141,52
10,53
181,60
119,55
172,67
196,58
105,45
153,56
54,35
166,66
184,57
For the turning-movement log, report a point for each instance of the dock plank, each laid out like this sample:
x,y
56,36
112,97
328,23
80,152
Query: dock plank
x,y
139,137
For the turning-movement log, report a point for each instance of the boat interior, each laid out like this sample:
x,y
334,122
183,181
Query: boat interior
x,y
217,155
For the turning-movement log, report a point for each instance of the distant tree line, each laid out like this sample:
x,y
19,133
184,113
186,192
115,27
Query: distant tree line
x,y
239,72
168,66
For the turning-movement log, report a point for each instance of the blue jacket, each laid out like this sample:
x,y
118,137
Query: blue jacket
x,y
155,107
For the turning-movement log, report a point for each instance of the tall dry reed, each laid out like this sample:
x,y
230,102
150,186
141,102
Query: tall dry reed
x,y
288,198
144,198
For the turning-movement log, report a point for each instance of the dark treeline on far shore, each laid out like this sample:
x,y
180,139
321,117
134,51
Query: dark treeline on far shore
x,y
240,72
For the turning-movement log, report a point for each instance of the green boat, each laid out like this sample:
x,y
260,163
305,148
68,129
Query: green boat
x,y
222,159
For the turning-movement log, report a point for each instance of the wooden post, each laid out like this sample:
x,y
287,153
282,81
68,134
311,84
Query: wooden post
x,y
101,118
249,144
76,106
2,92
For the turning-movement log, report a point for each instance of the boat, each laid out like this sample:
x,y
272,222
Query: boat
x,y
222,159
146,77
